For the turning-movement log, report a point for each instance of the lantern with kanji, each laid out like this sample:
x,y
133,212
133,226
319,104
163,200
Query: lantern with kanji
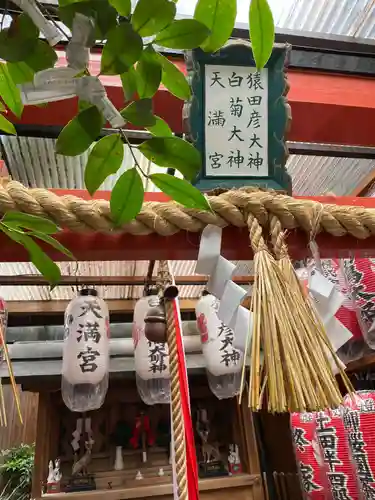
x,y
323,455
151,358
85,367
359,421
223,361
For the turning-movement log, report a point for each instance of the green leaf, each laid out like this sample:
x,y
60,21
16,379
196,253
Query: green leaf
x,y
6,126
127,197
139,113
82,104
105,159
9,92
78,135
41,261
183,34
32,222
219,16
53,243
123,7
18,41
151,16
129,83
173,152
181,191
122,49
262,31
43,57
20,72
148,72
174,80
104,15
161,128
45,265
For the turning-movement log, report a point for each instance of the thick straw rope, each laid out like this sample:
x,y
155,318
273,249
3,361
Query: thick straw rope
x,y
229,208
177,418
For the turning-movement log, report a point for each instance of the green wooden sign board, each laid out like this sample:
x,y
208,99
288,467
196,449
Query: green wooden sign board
x,y
238,117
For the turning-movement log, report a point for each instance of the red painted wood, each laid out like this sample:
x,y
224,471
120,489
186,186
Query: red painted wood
x,y
326,108
184,246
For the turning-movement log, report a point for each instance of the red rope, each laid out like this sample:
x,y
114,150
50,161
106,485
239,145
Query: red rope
x,y
191,457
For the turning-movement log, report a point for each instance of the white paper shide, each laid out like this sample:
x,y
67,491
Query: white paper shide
x,y
236,121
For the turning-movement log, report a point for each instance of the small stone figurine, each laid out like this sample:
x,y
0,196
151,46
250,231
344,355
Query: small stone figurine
x,y
54,477
234,460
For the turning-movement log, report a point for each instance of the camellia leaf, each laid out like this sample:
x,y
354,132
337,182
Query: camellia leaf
x,y
43,57
139,113
174,80
20,72
18,41
123,7
6,126
127,197
78,135
151,16
122,49
45,265
129,83
219,16
101,11
181,191
148,72
41,261
262,31
183,34
9,92
105,159
53,243
173,152
32,222
161,128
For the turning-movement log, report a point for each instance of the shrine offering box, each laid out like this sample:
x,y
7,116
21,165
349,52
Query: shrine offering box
x,y
144,456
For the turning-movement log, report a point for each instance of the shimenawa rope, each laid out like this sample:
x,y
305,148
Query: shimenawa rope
x,y
229,208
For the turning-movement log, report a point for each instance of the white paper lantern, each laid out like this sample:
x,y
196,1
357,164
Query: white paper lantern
x,y
85,364
223,361
151,358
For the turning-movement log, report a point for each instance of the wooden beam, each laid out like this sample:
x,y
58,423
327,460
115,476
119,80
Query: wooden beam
x,y
362,188
45,307
332,103
361,364
37,280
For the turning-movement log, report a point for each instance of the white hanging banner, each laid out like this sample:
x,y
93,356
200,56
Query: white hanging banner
x,y
327,301
56,84
78,48
151,358
49,30
86,344
220,285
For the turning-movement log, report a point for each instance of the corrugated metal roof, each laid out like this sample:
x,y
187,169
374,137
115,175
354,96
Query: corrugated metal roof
x,y
120,268
340,17
33,162
354,18
314,175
